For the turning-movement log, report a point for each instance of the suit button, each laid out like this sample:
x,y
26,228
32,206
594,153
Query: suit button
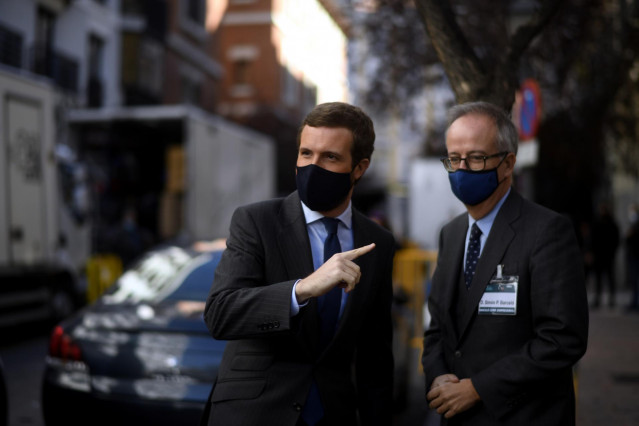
x,y
297,407
457,354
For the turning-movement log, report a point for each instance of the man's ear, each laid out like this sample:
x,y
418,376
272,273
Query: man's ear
x,y
360,169
510,161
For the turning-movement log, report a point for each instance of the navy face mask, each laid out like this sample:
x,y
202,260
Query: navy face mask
x,y
320,189
473,187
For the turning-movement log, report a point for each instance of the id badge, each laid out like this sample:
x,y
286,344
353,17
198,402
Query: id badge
x,y
500,296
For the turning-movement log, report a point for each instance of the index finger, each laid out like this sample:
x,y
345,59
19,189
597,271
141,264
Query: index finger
x,y
355,253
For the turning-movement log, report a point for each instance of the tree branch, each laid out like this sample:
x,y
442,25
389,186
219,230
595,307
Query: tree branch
x,y
527,33
463,68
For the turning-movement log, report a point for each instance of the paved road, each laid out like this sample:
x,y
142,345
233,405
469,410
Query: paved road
x,y
24,365
608,375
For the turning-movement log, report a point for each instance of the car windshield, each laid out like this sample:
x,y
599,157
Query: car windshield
x,y
171,273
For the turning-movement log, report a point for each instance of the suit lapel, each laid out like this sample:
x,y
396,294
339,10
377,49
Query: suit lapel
x,y
455,252
293,240
500,237
295,246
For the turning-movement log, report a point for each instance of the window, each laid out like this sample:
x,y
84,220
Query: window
x,y
10,47
150,66
95,64
132,7
196,11
43,45
44,27
192,17
240,71
290,88
190,91
242,58
96,49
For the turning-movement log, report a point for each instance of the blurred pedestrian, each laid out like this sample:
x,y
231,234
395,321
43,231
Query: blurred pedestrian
x,y
128,244
605,241
310,332
631,242
508,301
585,242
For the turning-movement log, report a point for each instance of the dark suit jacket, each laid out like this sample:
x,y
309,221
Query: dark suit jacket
x,y
521,366
271,358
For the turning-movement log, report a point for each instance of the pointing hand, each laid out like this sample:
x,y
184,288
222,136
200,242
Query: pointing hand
x,y
339,270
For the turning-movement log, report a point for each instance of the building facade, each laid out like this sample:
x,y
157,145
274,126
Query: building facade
x,y
280,59
133,90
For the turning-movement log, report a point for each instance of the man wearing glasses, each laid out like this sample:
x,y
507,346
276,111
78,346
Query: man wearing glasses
x,y
508,301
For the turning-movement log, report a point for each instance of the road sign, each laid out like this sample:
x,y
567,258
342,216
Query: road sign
x,y
529,110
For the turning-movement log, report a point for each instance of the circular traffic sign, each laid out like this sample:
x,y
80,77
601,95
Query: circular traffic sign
x,y
530,109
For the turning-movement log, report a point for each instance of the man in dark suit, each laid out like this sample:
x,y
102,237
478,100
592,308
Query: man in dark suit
x,y
289,361
508,302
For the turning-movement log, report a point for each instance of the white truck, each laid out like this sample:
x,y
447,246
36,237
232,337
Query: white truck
x,y
46,222
220,165
39,258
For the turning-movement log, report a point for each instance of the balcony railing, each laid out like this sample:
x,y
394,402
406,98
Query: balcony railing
x,y
10,47
61,68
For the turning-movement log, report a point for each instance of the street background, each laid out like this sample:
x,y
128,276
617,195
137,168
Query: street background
x,y
129,123
607,376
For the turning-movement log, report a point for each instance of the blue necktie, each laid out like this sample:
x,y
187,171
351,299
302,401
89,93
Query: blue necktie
x,y
472,254
328,306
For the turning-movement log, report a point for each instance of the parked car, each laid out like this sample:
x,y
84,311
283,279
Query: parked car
x,y
141,354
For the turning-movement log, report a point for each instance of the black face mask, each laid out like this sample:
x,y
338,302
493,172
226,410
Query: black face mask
x,y
320,189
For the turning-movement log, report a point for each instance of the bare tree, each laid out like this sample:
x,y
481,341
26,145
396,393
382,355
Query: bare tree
x,y
582,52
494,79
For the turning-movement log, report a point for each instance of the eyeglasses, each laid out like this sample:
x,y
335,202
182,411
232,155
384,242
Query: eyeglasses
x,y
475,163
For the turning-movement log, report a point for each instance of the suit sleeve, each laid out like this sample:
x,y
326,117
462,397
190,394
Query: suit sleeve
x,y
433,362
240,303
374,349
559,321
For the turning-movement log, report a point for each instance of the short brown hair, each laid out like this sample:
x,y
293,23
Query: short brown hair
x,y
340,114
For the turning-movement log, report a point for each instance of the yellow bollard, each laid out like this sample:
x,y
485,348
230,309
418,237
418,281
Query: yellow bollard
x,y
412,268
102,271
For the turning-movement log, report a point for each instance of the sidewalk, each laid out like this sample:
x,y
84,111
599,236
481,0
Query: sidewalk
x,y
608,375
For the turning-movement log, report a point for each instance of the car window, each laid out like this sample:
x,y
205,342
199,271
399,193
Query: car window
x,y
197,282
161,273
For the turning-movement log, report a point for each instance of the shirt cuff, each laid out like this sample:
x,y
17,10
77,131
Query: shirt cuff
x,y
295,307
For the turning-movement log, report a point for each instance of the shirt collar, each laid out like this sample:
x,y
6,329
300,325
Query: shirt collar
x,y
486,222
312,216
